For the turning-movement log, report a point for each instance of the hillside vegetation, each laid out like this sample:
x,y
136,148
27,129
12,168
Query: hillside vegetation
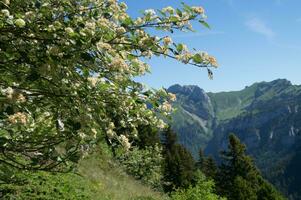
x,y
99,177
265,116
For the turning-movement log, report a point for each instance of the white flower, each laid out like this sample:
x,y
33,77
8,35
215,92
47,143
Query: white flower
x,y
18,118
156,38
139,21
51,28
81,134
111,125
122,123
147,54
90,25
166,107
94,131
47,114
21,98
150,12
20,23
120,30
172,96
161,124
103,46
142,68
69,31
185,57
61,125
6,2
102,22
5,12
198,10
93,81
125,142
110,133
119,64
9,92
169,9
184,48
204,55
212,61
167,41
29,14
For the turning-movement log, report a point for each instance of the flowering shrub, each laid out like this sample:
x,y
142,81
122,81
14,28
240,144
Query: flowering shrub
x,y
204,189
67,70
145,164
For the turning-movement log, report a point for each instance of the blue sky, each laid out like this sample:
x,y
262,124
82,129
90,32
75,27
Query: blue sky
x,y
258,40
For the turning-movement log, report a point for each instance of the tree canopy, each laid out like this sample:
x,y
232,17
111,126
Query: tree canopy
x,y
238,177
67,70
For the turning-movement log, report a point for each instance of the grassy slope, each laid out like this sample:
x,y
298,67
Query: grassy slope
x,y
100,178
112,182
230,104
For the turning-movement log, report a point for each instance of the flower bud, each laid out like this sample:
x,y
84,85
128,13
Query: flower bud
x,y
20,23
5,12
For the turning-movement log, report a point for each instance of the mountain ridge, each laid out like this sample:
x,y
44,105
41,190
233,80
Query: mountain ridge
x,y
265,116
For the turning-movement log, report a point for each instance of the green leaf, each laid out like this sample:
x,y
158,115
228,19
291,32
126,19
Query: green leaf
x,y
186,7
204,24
128,21
197,58
179,12
180,47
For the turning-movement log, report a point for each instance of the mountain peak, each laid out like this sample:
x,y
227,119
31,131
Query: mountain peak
x,y
276,82
186,89
281,82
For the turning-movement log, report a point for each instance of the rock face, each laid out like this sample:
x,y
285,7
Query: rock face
x,y
193,118
266,116
195,100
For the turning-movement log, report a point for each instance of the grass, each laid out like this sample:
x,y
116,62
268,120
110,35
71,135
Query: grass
x,y
100,178
112,182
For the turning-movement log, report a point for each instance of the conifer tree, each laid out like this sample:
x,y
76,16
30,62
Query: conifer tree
x,y
238,177
207,165
200,162
179,164
148,136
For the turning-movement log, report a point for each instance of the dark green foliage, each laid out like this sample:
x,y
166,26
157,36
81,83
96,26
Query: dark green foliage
x,y
48,186
202,158
210,168
203,190
207,165
148,136
101,178
238,177
266,116
292,175
145,165
178,165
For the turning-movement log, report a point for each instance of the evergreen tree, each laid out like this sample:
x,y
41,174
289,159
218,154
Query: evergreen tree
x,y
202,158
148,136
210,168
179,164
207,165
238,177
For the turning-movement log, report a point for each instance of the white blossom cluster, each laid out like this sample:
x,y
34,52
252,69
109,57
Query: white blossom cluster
x,y
78,62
